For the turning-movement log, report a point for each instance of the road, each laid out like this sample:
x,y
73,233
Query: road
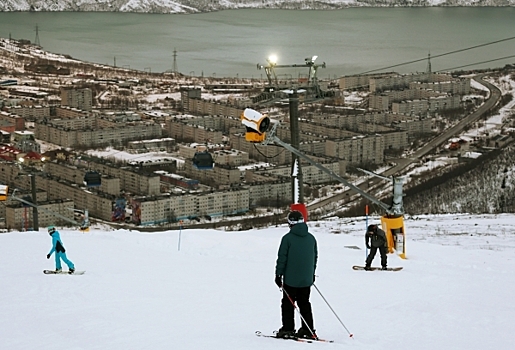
x,y
495,95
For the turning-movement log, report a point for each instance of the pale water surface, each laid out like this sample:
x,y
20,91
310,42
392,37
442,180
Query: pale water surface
x,y
231,43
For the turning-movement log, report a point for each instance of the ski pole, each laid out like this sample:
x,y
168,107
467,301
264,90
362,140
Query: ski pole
x,y
296,308
366,223
318,290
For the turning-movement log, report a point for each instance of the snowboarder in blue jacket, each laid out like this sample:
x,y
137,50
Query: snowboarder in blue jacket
x,y
58,249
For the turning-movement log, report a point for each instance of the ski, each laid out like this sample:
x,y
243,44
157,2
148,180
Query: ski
x,y
53,272
302,340
355,267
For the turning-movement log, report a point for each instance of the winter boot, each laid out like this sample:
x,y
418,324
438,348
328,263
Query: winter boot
x,y
71,270
305,333
367,268
282,333
384,268
58,270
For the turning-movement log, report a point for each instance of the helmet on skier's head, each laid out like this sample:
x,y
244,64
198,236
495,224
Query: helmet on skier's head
x,y
51,229
295,217
372,228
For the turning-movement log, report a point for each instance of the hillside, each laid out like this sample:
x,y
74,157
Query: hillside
x,y
483,185
196,6
141,292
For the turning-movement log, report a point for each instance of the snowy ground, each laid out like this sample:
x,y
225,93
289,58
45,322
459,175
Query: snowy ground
x,y
140,292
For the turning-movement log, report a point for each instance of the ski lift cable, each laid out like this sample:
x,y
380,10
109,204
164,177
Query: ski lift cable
x,y
440,55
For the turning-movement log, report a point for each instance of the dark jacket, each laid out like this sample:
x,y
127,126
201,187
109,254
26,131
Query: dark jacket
x,y
376,237
297,257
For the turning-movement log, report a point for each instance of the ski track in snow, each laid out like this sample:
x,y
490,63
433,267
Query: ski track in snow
x,y
140,292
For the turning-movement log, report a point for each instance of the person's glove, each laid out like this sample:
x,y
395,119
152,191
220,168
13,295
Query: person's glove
x,y
279,281
368,246
48,256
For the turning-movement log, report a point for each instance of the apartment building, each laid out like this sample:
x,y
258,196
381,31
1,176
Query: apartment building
x,y
189,93
384,100
270,190
84,132
166,208
417,107
13,119
20,217
455,87
75,176
70,113
30,112
25,141
415,126
54,188
81,98
397,82
220,175
358,150
359,81
310,174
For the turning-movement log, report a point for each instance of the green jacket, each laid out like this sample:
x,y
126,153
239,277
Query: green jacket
x,y
297,257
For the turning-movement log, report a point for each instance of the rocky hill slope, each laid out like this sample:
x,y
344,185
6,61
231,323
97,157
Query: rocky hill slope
x,y
196,6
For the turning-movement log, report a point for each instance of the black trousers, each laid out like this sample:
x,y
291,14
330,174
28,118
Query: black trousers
x,y
371,256
301,297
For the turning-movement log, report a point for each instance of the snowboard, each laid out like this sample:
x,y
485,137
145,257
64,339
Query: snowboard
x,y
53,272
355,267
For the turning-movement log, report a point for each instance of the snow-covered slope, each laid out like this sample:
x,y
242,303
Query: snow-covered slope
x,y
140,292
192,6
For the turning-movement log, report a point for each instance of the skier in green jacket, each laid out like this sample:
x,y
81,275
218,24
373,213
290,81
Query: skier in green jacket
x,y
295,274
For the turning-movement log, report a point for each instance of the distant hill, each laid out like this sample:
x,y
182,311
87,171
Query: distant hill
x,y
197,6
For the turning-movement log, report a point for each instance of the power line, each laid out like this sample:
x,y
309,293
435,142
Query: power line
x,y
441,55
473,64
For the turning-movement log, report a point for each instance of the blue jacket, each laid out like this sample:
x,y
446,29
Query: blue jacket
x,y
57,245
297,257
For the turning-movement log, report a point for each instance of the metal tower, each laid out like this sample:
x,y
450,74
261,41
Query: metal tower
x,y
36,42
174,69
428,68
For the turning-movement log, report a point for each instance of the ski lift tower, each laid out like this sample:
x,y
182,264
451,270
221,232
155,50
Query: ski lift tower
x,y
311,86
260,129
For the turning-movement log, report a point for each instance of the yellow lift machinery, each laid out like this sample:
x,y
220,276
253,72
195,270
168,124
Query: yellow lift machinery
x,y
261,129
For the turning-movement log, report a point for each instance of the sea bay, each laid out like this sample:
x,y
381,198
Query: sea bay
x,y
232,43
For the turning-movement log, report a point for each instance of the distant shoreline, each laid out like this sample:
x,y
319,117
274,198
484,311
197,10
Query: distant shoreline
x,y
280,6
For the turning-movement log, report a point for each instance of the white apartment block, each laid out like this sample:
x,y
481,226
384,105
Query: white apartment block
x,y
456,87
359,81
417,107
270,190
159,209
30,112
19,217
402,81
310,173
84,132
357,150
77,98
384,100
